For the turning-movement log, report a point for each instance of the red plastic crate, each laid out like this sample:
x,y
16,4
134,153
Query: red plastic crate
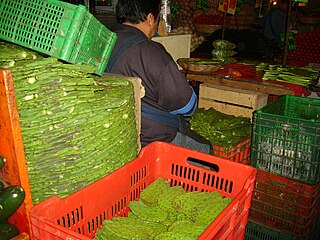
x,y
283,204
239,153
79,215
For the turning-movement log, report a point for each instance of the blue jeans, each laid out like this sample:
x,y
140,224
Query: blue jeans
x,y
188,142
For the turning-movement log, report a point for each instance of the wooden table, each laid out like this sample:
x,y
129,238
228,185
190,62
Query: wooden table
x,y
256,85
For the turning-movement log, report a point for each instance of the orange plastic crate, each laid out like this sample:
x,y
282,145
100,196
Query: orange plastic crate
x,y
15,170
239,153
284,204
79,215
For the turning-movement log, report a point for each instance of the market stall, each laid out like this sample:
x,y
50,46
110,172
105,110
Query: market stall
x,y
70,133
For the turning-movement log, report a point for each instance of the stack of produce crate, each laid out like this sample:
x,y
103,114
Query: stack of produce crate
x,y
286,152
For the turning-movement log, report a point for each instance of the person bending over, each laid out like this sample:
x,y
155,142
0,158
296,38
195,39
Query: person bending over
x,y
168,96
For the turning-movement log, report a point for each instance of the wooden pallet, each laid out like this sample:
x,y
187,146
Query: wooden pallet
x,y
237,102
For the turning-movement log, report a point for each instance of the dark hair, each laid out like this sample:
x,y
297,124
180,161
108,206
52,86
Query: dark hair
x,y
136,11
283,1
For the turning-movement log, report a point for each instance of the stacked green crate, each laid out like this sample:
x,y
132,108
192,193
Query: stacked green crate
x,y
286,139
286,151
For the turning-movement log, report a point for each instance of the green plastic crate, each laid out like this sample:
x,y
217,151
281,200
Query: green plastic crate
x,y
286,138
58,29
255,231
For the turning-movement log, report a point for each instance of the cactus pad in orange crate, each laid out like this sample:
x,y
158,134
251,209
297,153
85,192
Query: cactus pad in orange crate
x,y
79,215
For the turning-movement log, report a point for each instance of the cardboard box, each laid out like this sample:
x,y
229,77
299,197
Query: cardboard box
x,y
178,45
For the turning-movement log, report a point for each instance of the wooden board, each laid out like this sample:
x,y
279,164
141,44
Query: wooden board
x,y
139,92
235,83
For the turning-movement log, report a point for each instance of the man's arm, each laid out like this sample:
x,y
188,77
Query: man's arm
x,y
189,108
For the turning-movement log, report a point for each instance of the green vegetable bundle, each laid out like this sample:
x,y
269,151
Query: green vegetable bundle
x,y
165,212
296,75
223,45
220,129
76,127
223,51
222,54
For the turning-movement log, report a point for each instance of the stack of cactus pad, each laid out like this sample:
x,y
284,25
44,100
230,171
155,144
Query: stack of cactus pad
x,y
76,127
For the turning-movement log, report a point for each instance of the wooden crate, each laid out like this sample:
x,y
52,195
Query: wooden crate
x,y
231,101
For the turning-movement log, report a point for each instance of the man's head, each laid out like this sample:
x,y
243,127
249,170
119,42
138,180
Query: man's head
x,y
143,14
283,5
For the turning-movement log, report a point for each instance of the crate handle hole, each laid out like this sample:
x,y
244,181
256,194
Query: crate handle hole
x,y
203,164
286,127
